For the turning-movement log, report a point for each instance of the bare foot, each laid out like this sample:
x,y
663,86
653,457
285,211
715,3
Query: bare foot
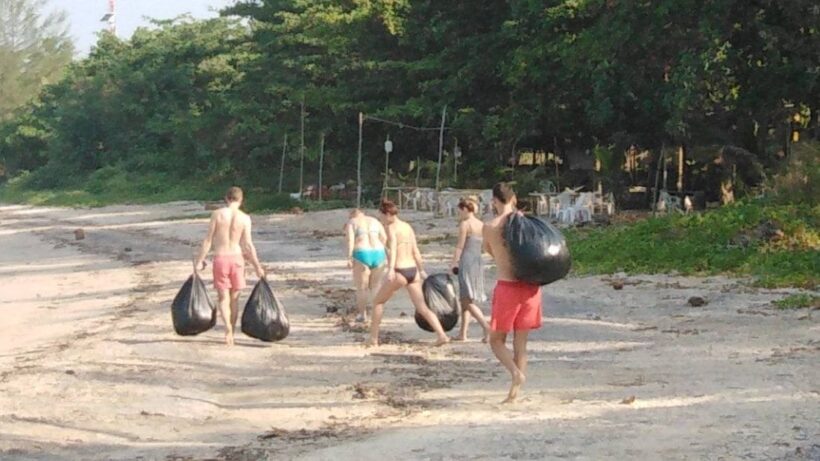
x,y
458,338
518,380
441,341
486,338
372,343
229,339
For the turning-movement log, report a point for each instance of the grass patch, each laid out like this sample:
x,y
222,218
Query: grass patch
x,y
798,301
724,241
112,186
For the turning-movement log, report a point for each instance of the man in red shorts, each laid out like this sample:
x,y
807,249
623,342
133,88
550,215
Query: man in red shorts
x,y
516,305
229,233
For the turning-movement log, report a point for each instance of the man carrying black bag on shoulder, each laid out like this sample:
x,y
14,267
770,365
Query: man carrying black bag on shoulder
x,y
516,305
230,235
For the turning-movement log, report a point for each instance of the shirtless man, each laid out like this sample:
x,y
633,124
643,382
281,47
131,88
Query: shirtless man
x,y
230,235
516,305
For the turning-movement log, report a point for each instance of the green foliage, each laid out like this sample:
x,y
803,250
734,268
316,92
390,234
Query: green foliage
x,y
798,301
716,242
34,48
213,99
799,179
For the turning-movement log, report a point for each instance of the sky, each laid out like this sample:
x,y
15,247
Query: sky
x,y
84,15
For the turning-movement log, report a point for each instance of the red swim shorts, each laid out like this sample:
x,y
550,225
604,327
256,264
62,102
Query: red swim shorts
x,y
229,272
516,306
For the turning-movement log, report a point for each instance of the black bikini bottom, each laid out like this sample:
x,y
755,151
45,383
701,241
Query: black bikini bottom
x,y
408,273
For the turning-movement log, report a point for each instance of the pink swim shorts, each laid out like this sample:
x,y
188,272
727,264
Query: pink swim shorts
x,y
229,272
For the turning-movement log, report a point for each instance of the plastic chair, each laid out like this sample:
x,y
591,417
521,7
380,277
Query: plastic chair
x,y
486,199
412,198
560,202
581,208
543,205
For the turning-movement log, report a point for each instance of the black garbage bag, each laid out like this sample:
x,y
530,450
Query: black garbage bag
x,y
192,310
538,250
441,297
264,317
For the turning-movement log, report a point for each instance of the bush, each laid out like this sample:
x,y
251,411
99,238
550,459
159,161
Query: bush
x,y
728,240
799,179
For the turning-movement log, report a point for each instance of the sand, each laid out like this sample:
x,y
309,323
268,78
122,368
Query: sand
x,y
90,367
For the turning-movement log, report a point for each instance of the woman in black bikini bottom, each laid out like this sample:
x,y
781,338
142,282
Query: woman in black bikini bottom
x,y
404,270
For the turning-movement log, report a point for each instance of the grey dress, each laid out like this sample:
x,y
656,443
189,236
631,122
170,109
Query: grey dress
x,y
471,271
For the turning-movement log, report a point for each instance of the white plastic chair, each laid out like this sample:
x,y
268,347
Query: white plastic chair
x,y
412,198
560,202
668,202
584,206
447,204
430,200
543,205
486,199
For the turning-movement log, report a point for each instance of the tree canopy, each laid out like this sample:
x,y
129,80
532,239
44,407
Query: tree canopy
x,y
216,97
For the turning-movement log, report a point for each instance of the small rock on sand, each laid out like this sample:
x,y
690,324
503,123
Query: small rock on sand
x,y
697,301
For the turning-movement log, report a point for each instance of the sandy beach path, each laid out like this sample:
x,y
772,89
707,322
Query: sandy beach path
x,y
90,367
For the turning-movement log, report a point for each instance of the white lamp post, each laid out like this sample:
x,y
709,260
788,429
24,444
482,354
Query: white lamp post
x,y
388,148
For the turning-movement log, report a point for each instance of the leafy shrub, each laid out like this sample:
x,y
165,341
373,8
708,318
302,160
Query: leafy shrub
x,y
799,179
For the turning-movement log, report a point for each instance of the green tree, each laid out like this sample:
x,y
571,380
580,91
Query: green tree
x,y
34,48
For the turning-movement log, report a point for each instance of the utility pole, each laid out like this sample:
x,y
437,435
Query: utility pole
x,y
302,151
321,161
359,165
440,148
282,163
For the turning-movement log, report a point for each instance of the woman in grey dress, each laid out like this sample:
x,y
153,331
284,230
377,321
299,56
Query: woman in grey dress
x,y
467,264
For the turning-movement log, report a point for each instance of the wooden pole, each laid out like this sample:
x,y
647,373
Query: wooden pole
x,y
680,168
418,171
359,165
440,148
321,162
302,151
455,162
656,192
282,163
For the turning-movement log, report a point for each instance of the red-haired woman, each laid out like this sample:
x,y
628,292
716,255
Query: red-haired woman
x,y
404,270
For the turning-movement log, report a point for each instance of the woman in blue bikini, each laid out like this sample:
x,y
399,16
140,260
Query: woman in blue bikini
x,y
404,270
366,256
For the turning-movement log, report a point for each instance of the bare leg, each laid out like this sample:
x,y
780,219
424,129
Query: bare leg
x,y
234,308
376,281
360,276
417,297
385,292
506,357
225,309
479,316
520,349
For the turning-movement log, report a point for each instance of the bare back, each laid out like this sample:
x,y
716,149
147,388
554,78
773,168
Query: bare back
x,y
403,242
495,244
229,226
368,232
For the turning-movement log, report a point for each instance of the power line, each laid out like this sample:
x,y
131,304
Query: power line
x,y
404,125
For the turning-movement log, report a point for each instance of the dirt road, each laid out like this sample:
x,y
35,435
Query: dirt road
x,y
90,367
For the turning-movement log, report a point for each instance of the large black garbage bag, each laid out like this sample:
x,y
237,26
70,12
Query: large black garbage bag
x,y
538,250
441,297
264,317
192,310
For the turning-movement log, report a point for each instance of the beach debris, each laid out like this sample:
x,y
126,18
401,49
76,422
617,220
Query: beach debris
x,y
697,301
